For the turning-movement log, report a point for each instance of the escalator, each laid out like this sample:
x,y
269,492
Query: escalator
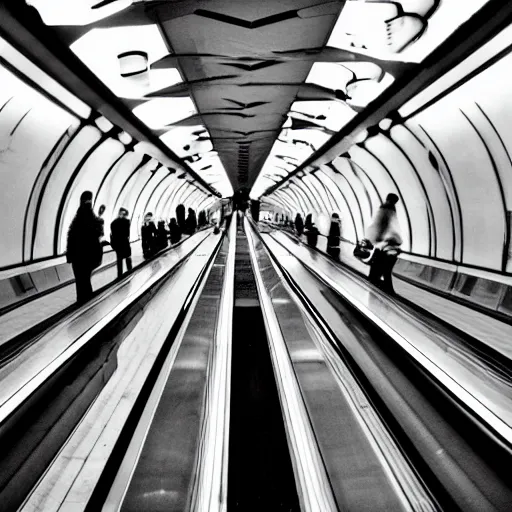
x,y
260,470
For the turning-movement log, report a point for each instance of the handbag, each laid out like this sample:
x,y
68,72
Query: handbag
x,y
364,251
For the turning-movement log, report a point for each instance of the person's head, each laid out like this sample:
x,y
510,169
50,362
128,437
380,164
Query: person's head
x,y
86,198
148,217
173,221
123,212
391,199
335,216
101,210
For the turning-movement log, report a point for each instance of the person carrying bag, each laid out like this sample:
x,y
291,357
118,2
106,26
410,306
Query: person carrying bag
x,y
384,235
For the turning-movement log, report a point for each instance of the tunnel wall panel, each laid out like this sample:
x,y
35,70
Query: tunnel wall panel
x,y
30,126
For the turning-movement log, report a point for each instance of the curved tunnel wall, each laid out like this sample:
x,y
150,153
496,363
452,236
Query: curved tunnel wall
x,y
449,161
50,155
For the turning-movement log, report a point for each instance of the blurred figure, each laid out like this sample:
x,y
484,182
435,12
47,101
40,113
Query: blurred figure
x,y
84,250
312,235
333,240
299,224
175,231
191,222
161,235
180,218
148,234
201,219
384,233
101,211
308,222
120,240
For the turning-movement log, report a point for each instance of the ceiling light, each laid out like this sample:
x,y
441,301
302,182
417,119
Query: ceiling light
x,y
330,75
129,50
125,138
385,124
162,112
77,12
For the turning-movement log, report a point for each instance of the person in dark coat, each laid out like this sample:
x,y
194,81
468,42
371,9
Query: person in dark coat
x,y
384,233
148,234
312,235
191,222
175,231
161,235
120,240
333,240
308,222
299,224
84,250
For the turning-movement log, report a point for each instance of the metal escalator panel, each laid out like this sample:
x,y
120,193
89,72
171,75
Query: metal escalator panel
x,y
260,470
161,466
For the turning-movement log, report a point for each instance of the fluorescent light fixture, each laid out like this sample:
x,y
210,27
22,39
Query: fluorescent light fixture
x,y
125,138
76,12
361,137
161,112
121,56
385,124
103,124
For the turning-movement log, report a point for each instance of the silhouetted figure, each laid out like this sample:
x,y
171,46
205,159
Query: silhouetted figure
x,y
201,219
191,223
120,240
175,231
333,240
180,217
384,233
299,224
161,235
308,222
84,250
312,235
148,234
255,210
101,211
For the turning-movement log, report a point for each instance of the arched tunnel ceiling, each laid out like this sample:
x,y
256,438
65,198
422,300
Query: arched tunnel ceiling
x,y
226,83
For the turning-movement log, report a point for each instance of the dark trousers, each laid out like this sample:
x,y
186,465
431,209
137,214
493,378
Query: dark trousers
x,y
382,267
82,282
334,252
120,265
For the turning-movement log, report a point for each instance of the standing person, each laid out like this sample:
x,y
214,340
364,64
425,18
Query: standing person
x,y
120,240
312,235
191,222
308,223
84,250
384,233
333,240
149,236
299,224
161,235
101,211
175,231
